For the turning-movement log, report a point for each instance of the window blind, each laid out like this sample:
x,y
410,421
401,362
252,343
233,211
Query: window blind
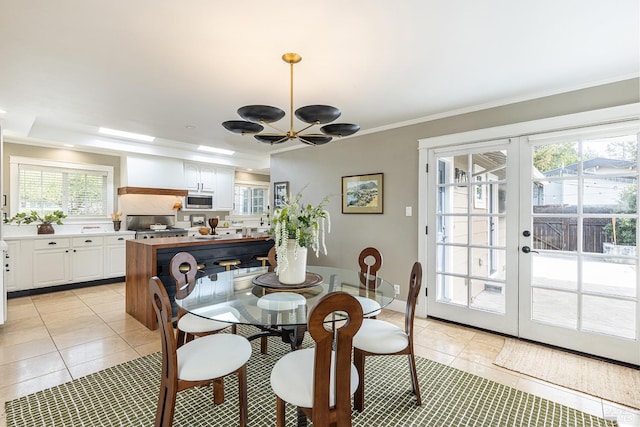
x,y
77,192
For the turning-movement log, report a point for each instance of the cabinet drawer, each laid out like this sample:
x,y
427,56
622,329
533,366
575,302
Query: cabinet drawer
x,y
50,244
114,240
88,241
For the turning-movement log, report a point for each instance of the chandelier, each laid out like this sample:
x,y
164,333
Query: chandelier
x,y
256,116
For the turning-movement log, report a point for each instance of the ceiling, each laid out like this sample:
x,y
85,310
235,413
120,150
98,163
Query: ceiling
x,y
176,70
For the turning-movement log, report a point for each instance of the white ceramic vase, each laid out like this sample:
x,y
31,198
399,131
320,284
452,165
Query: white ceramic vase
x,y
294,271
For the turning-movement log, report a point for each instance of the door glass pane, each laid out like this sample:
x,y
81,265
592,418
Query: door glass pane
x,y
452,289
610,276
609,316
452,259
487,295
555,307
558,271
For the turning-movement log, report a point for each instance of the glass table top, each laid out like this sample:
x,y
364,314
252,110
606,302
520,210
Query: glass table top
x,y
232,296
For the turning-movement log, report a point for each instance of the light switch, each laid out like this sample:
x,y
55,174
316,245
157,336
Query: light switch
x,y
408,211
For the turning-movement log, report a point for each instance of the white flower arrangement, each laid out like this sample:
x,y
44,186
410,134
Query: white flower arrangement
x,y
306,225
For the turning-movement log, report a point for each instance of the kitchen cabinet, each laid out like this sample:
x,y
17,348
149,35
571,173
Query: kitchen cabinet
x,y
14,270
66,260
115,255
203,178
200,178
223,197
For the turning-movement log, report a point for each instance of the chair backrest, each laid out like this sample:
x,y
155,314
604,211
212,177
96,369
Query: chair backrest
x,y
273,262
185,281
162,308
415,282
369,271
325,346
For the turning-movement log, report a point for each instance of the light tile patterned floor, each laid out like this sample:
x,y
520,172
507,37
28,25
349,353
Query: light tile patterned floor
x,y
52,338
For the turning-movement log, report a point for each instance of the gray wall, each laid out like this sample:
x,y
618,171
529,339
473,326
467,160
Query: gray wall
x,y
395,154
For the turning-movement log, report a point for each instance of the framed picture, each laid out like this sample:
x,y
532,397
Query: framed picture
x,y
362,194
280,193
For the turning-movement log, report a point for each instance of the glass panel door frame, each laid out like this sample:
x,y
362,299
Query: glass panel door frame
x,y
479,186
557,303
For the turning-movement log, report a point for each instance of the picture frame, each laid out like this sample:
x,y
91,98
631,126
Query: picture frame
x,y
362,194
280,193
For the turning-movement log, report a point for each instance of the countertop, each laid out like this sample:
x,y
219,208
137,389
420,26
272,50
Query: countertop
x,y
68,234
165,242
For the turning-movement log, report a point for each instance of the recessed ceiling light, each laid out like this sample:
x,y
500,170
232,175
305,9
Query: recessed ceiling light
x,y
68,145
126,135
216,150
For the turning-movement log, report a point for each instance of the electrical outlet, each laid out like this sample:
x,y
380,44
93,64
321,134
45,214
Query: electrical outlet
x,y
396,289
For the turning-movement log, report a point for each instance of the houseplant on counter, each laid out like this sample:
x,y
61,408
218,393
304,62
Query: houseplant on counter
x,y
296,227
46,221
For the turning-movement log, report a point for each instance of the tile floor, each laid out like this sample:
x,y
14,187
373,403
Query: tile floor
x,y
52,338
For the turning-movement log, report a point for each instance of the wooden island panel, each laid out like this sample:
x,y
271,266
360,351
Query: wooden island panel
x,y
151,257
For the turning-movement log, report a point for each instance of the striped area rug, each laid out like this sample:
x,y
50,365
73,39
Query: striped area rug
x,y
126,395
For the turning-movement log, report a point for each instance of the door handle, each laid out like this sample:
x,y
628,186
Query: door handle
x,y
527,249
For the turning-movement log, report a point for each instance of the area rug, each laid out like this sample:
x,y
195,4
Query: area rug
x,y
126,395
608,381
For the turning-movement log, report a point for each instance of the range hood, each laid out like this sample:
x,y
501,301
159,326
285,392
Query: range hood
x,y
152,191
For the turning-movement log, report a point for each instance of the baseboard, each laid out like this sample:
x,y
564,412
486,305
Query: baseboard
x,y
58,288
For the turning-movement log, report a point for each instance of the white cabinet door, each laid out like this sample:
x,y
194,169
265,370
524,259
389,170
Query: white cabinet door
x,y
200,178
12,266
87,258
223,199
115,255
51,262
207,179
192,177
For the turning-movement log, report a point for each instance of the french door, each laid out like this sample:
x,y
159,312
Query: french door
x,y
536,237
578,257
473,276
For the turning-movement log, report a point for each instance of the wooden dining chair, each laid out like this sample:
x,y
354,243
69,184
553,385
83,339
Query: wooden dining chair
x,y
189,325
370,261
320,381
380,338
201,362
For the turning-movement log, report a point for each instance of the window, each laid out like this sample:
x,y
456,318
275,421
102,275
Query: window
x,y
80,190
251,199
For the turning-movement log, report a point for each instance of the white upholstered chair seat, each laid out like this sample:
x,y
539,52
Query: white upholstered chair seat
x,y
281,301
378,336
370,307
193,324
292,378
212,356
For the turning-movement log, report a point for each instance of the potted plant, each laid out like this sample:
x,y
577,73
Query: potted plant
x,y
296,227
46,221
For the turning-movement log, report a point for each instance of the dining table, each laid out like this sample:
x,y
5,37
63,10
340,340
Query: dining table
x,y
254,296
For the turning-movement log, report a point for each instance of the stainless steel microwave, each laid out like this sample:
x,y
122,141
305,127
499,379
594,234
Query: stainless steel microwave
x,y
199,201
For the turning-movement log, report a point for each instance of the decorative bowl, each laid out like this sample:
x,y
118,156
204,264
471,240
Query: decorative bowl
x,y
204,231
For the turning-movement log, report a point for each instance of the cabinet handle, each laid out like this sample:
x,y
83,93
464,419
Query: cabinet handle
x,y
53,243
120,238
88,241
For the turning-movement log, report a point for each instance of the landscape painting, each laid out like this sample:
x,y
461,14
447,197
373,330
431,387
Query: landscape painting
x,y
362,194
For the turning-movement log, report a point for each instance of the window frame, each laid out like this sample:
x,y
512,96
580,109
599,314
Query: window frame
x,y
253,184
14,173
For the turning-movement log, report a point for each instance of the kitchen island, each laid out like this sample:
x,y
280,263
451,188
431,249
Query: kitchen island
x,y
151,257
